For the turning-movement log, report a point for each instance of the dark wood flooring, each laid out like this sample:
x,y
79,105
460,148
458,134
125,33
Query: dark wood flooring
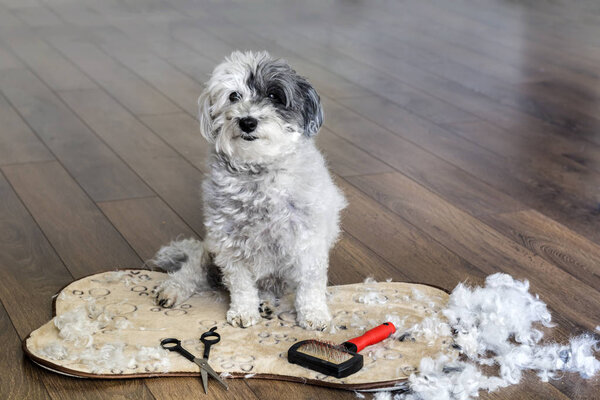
x,y
465,134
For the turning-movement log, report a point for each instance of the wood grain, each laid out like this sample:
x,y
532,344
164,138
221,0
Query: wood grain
x,y
173,178
123,84
552,241
31,271
437,174
18,144
31,274
18,378
78,231
146,223
182,133
57,72
95,167
414,253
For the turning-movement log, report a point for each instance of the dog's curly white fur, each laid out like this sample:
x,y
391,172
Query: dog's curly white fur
x,y
271,208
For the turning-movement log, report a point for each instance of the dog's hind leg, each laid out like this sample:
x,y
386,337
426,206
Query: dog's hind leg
x,y
186,262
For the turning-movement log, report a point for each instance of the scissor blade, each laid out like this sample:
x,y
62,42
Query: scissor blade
x,y
204,379
205,368
212,373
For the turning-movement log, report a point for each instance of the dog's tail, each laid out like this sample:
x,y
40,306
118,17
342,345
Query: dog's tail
x,y
190,255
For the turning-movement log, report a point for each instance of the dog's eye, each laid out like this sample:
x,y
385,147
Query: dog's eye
x,y
277,96
234,97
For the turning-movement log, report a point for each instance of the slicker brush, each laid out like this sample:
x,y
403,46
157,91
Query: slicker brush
x,y
338,360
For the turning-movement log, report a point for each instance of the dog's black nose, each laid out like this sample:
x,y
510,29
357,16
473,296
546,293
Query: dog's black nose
x,y
248,124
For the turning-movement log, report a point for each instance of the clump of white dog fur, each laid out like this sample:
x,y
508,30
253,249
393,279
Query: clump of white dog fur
x,y
79,325
494,325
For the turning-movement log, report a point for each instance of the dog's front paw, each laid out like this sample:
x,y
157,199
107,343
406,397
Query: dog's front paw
x,y
266,309
316,319
170,293
243,319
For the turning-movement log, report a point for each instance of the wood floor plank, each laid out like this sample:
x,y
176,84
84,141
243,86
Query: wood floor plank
x,y
325,81
483,246
191,387
164,170
531,388
197,66
56,71
415,254
31,274
265,389
31,271
351,261
182,132
17,142
501,113
78,13
530,145
451,182
457,66
561,186
78,231
156,35
18,376
8,60
178,87
37,16
95,167
146,223
8,21
552,241
345,159
133,92
553,52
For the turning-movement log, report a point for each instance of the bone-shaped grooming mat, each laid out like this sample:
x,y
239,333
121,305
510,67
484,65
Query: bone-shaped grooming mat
x,y
108,326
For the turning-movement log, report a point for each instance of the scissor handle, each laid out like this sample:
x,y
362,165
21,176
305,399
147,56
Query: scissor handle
x,y
173,344
209,342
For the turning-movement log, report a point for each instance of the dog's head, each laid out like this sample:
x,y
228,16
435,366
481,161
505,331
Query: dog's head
x,y
255,108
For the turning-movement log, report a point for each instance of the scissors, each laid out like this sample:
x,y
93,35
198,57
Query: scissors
x,y
173,344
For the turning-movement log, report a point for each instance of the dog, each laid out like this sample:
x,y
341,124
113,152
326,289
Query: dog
x,y
271,208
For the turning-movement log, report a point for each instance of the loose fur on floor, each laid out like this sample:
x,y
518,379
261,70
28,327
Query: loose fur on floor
x,y
492,325
271,208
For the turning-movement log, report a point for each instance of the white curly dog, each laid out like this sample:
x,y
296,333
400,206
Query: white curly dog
x,y
271,208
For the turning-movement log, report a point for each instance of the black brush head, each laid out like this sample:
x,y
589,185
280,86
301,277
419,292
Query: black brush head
x,y
326,358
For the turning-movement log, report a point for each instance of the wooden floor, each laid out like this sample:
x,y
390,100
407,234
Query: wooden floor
x,y
465,134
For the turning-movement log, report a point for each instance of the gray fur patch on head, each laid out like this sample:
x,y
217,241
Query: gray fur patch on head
x,y
275,82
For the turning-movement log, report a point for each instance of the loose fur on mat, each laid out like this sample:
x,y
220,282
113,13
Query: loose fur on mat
x,y
81,324
498,319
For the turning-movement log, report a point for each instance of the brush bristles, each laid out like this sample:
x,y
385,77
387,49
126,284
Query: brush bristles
x,y
326,351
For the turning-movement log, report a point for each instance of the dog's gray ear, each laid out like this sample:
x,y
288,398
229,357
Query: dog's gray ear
x,y
205,118
312,112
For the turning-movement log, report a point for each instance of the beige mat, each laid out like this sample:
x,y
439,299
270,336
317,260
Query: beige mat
x,y
111,328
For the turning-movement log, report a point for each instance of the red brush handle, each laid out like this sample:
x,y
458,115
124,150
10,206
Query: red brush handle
x,y
370,337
